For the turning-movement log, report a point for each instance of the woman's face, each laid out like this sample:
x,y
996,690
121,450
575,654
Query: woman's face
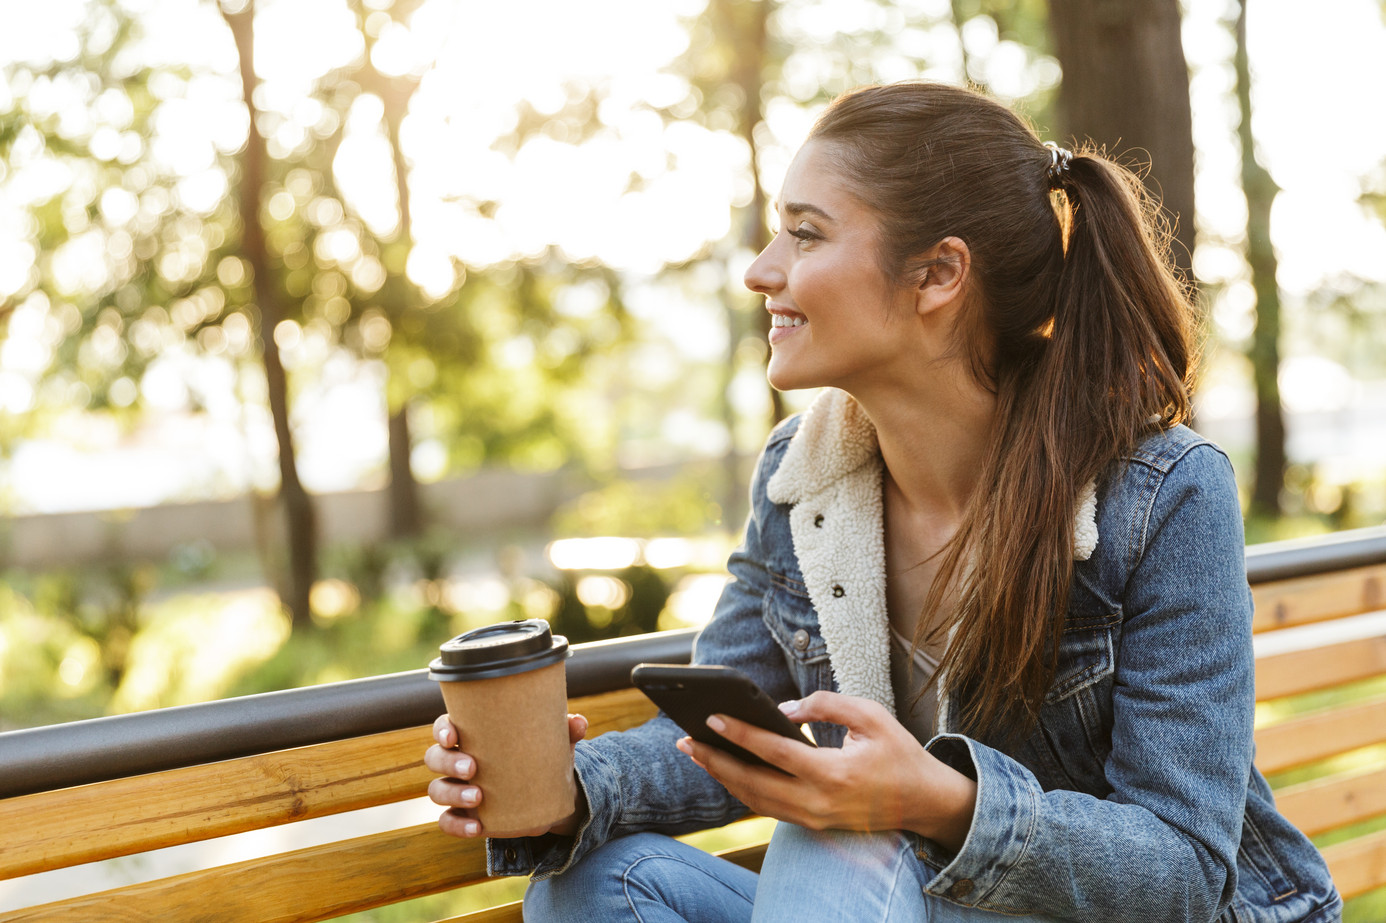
x,y
838,319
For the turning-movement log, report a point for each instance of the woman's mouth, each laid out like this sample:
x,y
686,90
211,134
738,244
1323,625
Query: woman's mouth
x,y
784,325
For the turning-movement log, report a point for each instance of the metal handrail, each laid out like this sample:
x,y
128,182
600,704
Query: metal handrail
x,y
1302,557
80,752
98,749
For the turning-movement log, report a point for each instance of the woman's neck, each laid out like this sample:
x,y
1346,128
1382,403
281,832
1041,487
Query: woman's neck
x,y
933,438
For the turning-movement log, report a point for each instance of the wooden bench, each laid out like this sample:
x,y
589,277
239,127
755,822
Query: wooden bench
x,y
119,786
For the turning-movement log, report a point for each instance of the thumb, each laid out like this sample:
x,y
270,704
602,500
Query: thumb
x,y
858,714
577,728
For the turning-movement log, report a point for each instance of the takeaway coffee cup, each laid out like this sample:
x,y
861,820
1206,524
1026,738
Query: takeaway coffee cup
x,y
507,693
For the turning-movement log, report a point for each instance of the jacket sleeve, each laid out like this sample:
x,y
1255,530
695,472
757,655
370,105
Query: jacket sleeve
x,y
637,780
1163,845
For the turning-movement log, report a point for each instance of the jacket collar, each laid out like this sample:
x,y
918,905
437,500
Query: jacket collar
x,y
835,438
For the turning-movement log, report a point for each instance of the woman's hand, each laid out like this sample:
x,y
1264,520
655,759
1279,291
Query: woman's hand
x,y
881,778
461,798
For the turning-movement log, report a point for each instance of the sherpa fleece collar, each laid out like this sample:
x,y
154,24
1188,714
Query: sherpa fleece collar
x,y
831,477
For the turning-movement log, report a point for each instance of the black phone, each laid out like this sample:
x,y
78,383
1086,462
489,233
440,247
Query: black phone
x,y
688,694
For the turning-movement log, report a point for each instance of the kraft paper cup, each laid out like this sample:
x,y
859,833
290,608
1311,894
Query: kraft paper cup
x,y
506,690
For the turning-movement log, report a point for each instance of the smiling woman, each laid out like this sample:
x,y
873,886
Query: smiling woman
x,y
989,567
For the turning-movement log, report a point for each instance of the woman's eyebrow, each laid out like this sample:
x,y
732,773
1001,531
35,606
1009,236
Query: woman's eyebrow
x,y
804,208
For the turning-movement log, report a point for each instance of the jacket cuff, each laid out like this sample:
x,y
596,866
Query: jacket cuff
x,y
1004,822
543,856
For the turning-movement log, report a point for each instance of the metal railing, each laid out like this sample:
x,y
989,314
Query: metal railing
x,y
80,752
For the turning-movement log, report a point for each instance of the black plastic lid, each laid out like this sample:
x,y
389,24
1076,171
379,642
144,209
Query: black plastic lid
x,y
498,650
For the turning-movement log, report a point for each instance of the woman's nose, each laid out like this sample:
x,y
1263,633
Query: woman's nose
x,y
763,276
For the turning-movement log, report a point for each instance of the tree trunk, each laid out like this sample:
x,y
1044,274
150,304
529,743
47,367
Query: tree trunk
x,y
405,518
750,78
298,506
750,23
1126,86
1260,192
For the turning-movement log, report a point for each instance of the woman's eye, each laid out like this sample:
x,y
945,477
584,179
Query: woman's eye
x,y
803,233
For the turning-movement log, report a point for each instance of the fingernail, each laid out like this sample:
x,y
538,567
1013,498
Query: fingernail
x,y
471,828
716,723
463,767
789,707
684,744
470,796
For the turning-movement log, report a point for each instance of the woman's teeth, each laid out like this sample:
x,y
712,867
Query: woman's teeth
x,y
784,320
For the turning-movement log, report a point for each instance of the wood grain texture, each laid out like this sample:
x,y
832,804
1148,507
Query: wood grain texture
x,y
1326,804
1305,600
298,887
1319,735
1319,667
504,913
123,816
1359,865
141,813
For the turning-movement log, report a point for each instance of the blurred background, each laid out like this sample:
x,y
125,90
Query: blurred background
x,y
330,328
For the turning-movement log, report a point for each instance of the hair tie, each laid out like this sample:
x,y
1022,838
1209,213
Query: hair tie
x,y
1059,159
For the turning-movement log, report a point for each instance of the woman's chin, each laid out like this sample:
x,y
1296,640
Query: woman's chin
x,y
785,379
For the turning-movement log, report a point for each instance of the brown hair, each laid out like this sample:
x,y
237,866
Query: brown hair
x,y
1075,320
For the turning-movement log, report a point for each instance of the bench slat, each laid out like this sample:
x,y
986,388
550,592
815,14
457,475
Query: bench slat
x,y
504,913
1319,667
132,815
1305,600
304,886
1326,804
1319,735
1359,865
200,802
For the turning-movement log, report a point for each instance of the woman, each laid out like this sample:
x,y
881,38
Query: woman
x,y
989,567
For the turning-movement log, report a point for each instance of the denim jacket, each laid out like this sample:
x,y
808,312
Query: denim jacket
x,y
1135,797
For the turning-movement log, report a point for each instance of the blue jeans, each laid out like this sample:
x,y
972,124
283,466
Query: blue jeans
x,y
822,877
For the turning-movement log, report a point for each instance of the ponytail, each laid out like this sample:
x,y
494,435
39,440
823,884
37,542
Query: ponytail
x,y
1088,338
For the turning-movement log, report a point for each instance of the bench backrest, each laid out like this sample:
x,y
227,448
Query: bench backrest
x,y
1336,583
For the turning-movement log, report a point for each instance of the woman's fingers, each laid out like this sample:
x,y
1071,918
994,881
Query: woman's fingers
x,y
452,793
457,822
765,791
577,728
444,734
449,763
775,749
855,713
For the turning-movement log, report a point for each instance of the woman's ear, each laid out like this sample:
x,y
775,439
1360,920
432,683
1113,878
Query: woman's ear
x,y
944,281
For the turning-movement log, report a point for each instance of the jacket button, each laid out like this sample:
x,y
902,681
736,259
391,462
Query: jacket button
x,y
801,640
961,888
510,855
818,521
838,591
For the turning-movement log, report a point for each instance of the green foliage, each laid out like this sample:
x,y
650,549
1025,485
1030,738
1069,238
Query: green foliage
x,y
683,505
1367,908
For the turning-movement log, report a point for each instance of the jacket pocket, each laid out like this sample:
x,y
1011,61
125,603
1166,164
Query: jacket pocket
x,y
788,614
1086,647
792,622
1256,856
1085,658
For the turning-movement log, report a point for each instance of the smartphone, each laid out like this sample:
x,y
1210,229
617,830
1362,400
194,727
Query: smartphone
x,y
688,694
